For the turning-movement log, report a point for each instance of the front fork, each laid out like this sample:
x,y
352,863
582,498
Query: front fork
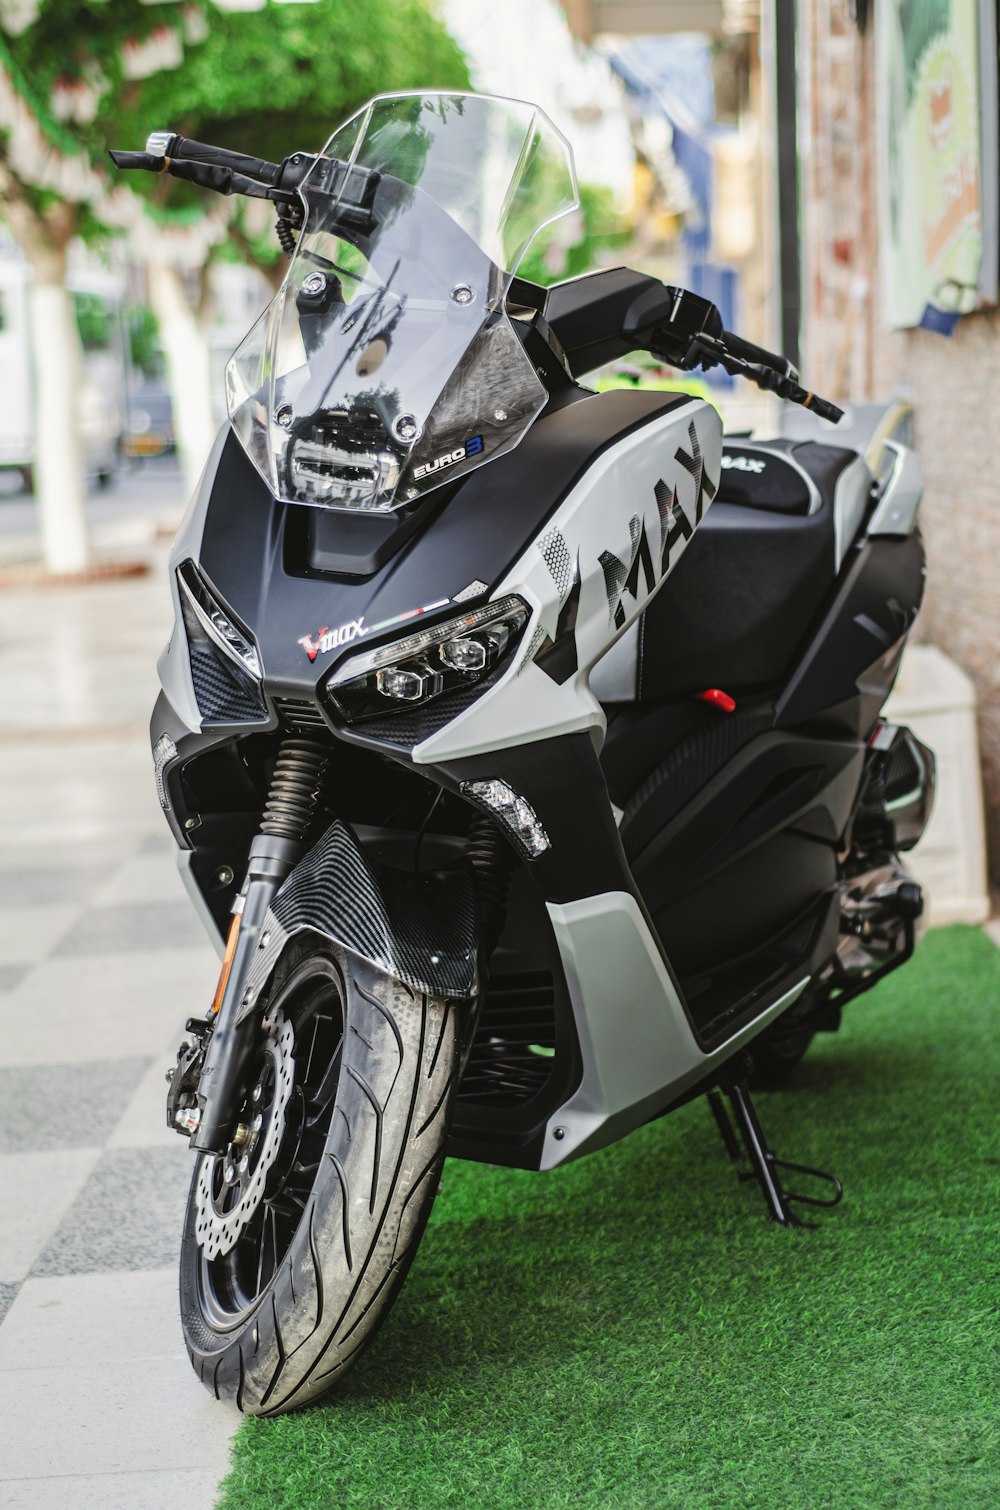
x,y
294,801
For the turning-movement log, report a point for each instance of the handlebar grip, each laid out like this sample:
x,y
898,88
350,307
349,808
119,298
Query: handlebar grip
x,y
145,160
758,355
824,408
221,157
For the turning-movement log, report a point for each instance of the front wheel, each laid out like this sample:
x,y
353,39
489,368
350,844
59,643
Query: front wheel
x,y
298,1238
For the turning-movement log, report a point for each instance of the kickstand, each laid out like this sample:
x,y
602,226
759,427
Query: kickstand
x,y
764,1164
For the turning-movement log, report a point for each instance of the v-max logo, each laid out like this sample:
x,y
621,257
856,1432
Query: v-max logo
x,y
653,558
328,639
742,464
473,446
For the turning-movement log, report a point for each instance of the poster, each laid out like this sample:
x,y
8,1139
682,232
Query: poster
x,y
931,160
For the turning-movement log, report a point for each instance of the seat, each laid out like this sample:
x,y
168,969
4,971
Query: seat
x,y
738,607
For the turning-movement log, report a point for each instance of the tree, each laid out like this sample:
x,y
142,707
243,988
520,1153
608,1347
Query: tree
x,y
79,75
268,82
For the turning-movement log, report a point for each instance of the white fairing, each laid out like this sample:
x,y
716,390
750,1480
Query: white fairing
x,y
600,558
851,497
636,1044
899,503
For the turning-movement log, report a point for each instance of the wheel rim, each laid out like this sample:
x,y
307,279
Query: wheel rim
x,y
232,1284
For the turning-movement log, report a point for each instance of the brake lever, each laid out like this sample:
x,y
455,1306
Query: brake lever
x,y
706,351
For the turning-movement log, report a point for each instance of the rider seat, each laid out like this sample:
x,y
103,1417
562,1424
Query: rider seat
x,y
738,607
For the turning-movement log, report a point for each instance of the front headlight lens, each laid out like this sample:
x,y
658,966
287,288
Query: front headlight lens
x,y
427,665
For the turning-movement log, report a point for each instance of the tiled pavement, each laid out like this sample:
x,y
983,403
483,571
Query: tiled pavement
x,y
101,960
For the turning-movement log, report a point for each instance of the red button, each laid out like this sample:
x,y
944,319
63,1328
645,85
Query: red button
x,y
718,698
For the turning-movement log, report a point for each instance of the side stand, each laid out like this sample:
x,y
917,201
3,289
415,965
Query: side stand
x,y
757,1161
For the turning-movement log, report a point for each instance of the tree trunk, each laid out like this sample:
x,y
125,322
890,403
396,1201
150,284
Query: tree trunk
x,y
185,345
58,462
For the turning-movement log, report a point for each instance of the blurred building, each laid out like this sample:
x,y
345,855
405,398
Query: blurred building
x,y
534,56
700,102
897,132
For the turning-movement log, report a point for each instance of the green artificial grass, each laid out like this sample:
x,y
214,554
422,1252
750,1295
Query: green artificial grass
x,y
632,1331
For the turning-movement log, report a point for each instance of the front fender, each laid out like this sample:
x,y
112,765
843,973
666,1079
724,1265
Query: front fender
x,y
419,928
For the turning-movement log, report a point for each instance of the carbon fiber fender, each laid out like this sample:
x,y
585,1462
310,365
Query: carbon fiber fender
x,y
419,928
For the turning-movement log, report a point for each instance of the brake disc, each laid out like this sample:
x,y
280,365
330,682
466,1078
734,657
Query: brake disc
x,y
230,1189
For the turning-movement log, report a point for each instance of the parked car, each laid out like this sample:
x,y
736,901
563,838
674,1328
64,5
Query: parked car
x,y
150,428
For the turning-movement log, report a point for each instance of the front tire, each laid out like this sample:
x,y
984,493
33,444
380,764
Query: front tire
x,y
280,1316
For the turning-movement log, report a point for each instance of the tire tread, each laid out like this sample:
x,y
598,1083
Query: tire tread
x,y
327,1299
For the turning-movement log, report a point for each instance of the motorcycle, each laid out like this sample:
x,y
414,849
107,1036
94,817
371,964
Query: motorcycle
x,y
507,850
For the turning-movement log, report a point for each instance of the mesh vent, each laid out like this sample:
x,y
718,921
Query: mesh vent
x,y
220,697
408,729
902,771
517,1020
300,715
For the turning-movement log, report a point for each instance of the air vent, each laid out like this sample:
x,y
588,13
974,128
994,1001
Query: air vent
x,y
300,715
513,1052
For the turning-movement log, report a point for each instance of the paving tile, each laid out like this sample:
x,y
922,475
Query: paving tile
x,y
86,793
78,1319
127,1216
104,1006
55,871
143,1122
46,826
12,975
190,1488
159,843
64,1105
151,877
72,880
30,933
138,928
8,1293
36,1189
111,1418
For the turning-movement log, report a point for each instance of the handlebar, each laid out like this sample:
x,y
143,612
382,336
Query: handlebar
x,y
758,356
220,169
767,376
692,336
166,144
682,328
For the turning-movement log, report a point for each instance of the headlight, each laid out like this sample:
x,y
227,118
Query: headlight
x,y
413,671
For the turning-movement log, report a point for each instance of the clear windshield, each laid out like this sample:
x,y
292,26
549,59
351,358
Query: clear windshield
x,y
386,364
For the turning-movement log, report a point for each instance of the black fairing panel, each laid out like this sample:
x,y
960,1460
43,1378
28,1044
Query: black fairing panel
x,y
743,599
739,878
850,666
256,553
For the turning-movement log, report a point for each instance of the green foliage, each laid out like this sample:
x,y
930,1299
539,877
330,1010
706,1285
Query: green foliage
x,y
600,232
144,341
265,82
94,322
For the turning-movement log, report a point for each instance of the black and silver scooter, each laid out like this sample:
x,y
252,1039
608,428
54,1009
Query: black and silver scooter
x,y
508,851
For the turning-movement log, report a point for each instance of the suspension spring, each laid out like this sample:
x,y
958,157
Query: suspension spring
x,y
492,860
286,235
296,790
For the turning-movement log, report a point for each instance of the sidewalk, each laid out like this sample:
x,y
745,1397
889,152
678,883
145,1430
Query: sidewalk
x,y
101,960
